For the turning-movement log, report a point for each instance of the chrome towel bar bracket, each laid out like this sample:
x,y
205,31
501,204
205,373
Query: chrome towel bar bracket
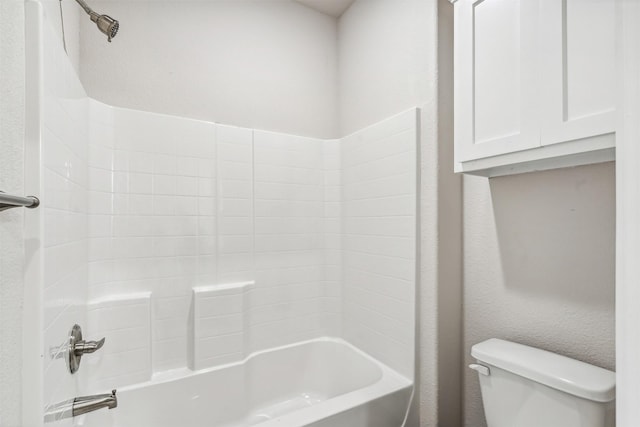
x,y
7,201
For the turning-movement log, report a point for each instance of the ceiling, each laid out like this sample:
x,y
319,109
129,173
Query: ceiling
x,y
333,8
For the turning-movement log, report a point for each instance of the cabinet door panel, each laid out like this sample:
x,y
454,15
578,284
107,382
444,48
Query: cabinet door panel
x,y
495,99
578,69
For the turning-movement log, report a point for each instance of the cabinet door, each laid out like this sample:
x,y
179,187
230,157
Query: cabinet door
x,y
577,57
495,76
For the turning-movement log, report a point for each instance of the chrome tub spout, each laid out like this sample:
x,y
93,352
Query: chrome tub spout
x,y
80,405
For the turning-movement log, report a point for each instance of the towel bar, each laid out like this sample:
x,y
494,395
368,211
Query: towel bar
x,y
7,201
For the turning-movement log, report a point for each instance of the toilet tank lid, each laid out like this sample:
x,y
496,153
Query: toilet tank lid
x,y
551,369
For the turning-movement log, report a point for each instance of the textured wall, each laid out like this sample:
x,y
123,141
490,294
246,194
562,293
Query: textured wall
x,y
265,64
539,266
448,304
12,102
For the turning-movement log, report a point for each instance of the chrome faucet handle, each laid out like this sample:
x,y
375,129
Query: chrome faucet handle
x,y
86,347
77,347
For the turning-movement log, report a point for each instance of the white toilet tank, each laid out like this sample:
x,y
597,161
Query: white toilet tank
x,y
527,387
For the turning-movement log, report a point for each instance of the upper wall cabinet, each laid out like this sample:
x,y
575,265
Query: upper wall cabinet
x,y
534,84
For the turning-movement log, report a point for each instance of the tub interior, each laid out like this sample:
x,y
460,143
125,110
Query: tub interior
x,y
266,387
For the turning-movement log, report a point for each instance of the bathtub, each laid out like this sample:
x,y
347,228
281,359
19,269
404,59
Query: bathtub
x,y
324,382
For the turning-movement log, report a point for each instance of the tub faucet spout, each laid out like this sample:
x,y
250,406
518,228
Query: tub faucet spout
x,y
80,405
84,404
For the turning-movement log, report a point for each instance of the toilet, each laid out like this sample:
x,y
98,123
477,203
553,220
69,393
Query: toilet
x,y
524,386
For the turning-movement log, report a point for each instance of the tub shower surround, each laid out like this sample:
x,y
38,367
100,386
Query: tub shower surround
x,y
177,204
235,237
212,253
214,249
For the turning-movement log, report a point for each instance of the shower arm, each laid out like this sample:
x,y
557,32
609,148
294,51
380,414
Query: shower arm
x,y
85,7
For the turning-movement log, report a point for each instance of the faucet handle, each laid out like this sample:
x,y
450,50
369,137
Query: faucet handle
x,y
77,347
86,347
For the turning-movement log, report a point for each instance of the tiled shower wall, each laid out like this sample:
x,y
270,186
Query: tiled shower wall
x,y
313,225
235,206
64,125
332,299
176,204
152,222
289,209
379,182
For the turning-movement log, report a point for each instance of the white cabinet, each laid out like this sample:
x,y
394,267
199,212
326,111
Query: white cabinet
x,y
534,84
577,69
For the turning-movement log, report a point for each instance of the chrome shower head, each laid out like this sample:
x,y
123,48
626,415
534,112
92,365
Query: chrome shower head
x,y
106,24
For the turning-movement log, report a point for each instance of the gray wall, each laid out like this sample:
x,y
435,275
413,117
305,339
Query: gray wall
x,y
263,64
385,53
12,101
539,266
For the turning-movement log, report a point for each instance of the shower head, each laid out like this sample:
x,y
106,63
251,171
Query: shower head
x,y
106,24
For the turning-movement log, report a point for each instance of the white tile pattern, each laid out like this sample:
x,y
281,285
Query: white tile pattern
x,y
125,358
332,229
286,305
225,205
235,254
152,216
64,203
379,167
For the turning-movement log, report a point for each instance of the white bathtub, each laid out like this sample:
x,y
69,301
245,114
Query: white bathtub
x,y
321,383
